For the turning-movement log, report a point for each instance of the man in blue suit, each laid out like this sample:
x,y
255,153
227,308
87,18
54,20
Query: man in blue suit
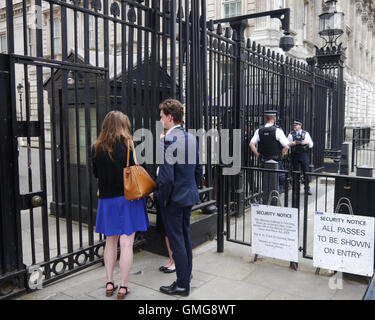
x,y
178,179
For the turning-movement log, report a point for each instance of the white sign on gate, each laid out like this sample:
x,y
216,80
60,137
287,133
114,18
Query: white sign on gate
x,y
344,243
274,232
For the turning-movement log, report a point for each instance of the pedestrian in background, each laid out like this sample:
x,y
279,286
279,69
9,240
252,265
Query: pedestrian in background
x,y
117,218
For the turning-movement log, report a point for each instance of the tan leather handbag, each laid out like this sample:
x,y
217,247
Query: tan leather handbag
x,y
137,182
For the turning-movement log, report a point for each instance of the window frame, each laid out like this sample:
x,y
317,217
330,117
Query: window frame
x,y
228,3
2,49
56,36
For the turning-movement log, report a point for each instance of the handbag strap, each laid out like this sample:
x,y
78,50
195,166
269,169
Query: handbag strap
x,y
134,155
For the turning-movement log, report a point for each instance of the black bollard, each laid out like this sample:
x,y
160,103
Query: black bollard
x,y
270,182
344,159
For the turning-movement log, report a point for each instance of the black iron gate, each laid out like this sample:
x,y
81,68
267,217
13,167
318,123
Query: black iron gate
x,y
244,79
69,62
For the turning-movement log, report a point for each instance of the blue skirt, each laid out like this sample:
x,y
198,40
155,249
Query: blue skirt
x,y
117,216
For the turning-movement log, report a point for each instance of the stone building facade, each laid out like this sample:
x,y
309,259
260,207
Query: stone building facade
x,y
358,38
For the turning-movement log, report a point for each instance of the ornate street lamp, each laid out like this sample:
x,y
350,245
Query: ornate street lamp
x,y
70,78
331,26
20,92
330,59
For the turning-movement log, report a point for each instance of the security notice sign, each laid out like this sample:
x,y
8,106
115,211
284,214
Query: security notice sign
x,y
274,232
344,243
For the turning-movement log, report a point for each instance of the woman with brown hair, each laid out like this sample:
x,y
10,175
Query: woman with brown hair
x,y
117,218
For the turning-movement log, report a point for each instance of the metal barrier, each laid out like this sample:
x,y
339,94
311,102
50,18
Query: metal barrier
x,y
363,148
233,219
363,153
330,193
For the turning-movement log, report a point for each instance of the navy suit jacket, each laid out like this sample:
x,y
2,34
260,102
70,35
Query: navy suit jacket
x,y
181,172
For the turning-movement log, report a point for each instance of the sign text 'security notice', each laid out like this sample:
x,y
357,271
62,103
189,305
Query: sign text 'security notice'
x,y
274,232
344,243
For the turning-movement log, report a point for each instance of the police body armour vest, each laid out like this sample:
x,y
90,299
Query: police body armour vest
x,y
269,147
298,148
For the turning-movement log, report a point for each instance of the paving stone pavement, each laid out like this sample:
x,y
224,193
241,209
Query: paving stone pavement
x,y
216,276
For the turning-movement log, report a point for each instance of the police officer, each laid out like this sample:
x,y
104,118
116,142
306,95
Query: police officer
x,y
300,143
271,142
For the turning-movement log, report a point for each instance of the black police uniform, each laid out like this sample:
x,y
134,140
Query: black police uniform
x,y
299,154
270,149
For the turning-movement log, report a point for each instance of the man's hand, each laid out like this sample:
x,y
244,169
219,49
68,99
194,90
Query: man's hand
x,y
254,149
152,196
304,142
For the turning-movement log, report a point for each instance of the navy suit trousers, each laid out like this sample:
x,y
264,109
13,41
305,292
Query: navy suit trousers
x,y
177,227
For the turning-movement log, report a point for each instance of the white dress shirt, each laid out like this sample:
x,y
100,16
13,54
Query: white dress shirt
x,y
176,126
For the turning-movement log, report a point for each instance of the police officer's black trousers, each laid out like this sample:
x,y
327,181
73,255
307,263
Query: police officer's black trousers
x,y
301,160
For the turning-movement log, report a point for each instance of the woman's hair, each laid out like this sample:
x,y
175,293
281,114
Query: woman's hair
x,y
116,127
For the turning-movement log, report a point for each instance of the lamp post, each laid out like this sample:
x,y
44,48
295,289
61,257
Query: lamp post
x,y
331,25
330,58
71,78
20,92
286,41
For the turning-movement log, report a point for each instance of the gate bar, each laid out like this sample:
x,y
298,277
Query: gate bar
x,y
10,224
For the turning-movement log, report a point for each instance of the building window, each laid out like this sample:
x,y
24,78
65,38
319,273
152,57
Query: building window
x,y
305,19
231,8
30,39
91,32
56,36
3,43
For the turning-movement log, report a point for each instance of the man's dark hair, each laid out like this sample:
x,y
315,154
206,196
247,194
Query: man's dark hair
x,y
174,108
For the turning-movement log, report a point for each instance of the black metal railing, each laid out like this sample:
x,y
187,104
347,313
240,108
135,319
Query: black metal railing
x,y
244,74
327,194
363,148
234,220
80,60
85,58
